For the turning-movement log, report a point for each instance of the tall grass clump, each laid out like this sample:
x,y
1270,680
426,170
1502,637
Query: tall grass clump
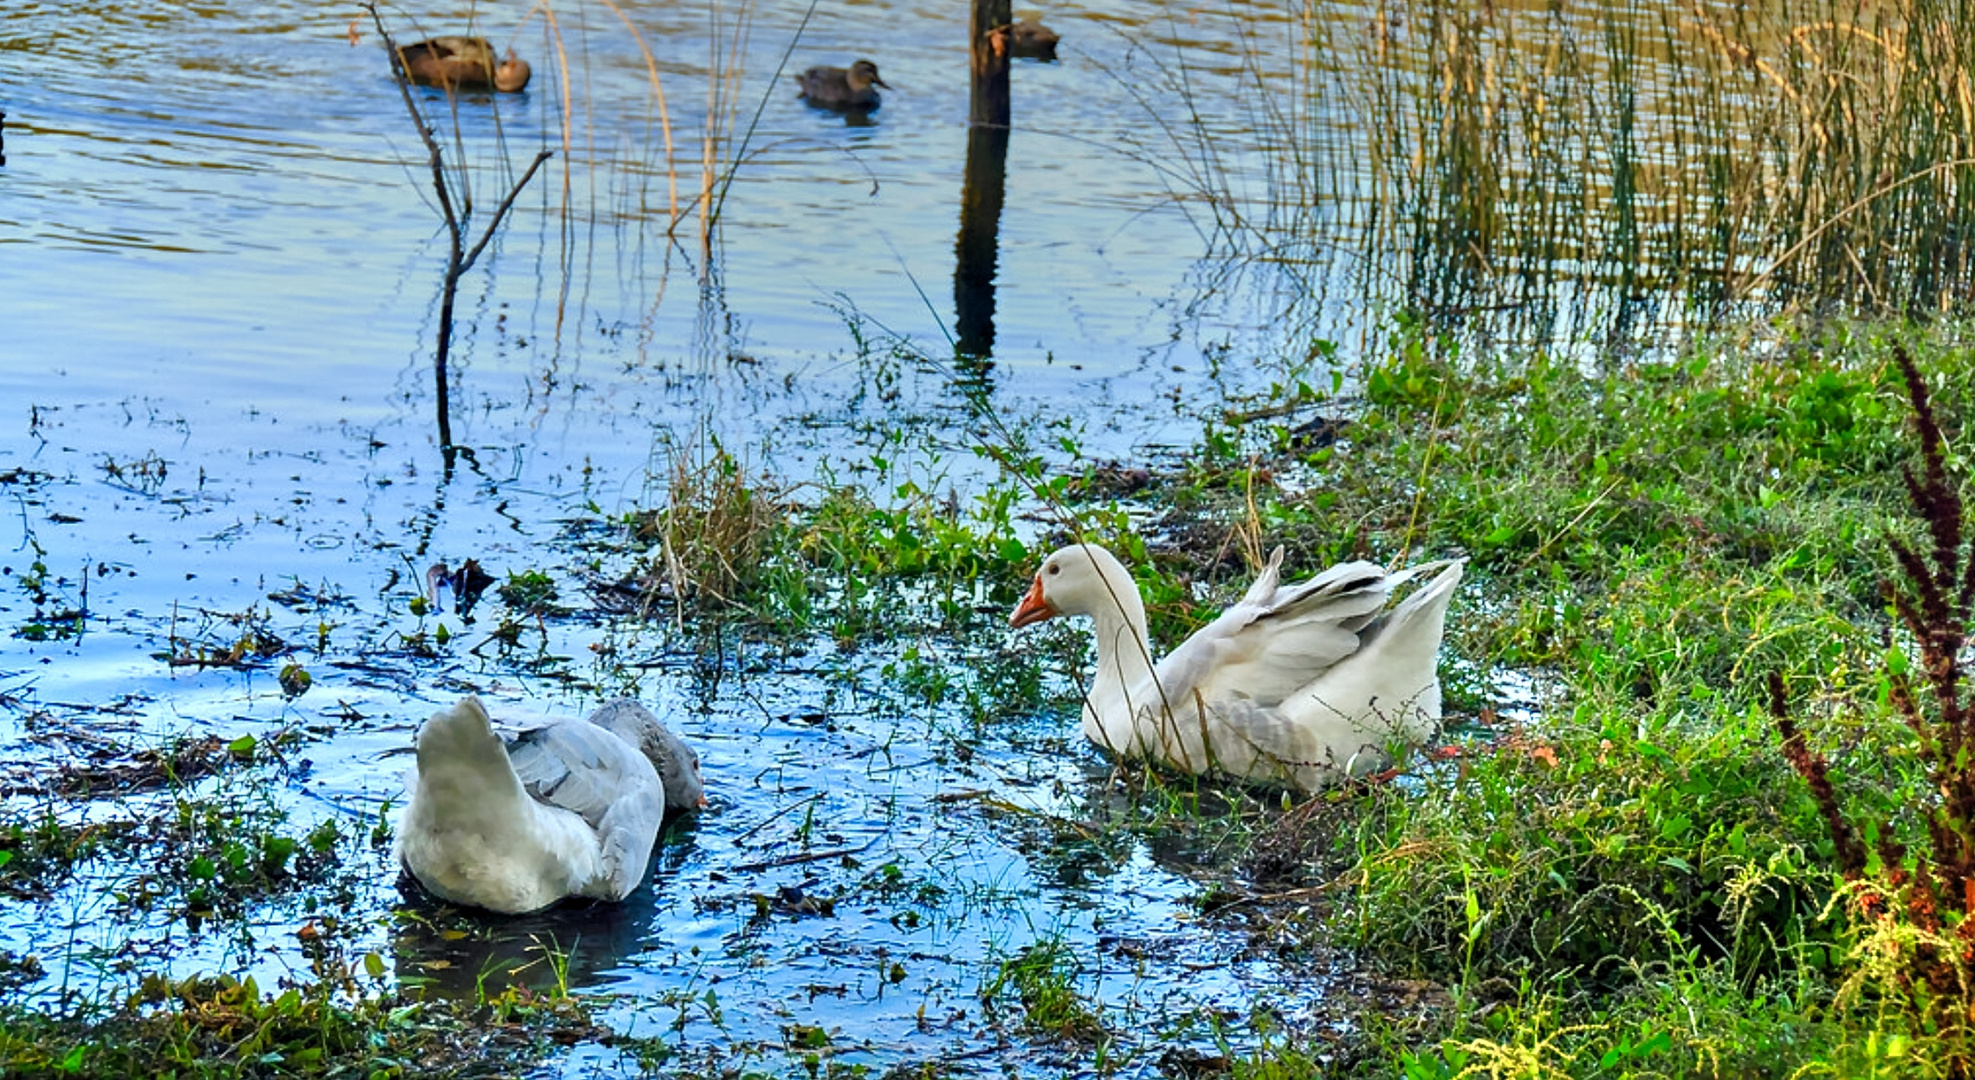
x,y
716,533
735,539
1914,902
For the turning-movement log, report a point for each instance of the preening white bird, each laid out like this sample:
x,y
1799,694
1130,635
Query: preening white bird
x,y
1298,685
568,809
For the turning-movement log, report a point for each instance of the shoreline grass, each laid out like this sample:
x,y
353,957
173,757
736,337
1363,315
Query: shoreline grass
x,y
1634,883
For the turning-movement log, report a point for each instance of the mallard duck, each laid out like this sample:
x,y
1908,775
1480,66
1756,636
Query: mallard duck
x,y
842,88
1296,685
568,809
462,63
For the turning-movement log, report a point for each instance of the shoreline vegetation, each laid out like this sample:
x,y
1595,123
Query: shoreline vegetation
x,y
1620,874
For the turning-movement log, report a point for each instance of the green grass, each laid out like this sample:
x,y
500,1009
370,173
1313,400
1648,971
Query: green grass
x,y
1636,883
1043,977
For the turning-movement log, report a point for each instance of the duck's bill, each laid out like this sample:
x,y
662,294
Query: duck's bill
x,y
1033,608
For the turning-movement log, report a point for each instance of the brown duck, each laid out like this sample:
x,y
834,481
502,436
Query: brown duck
x,y
1027,37
462,63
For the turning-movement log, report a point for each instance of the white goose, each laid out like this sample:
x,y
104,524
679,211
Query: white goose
x,y
568,809
1297,685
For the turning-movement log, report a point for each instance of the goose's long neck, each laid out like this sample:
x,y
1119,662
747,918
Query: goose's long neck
x,y
1123,684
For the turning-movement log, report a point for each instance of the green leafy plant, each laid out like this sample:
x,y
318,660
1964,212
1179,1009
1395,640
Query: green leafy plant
x,y
529,592
1043,978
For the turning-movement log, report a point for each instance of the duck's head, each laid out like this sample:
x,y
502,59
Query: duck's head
x,y
864,73
512,75
1081,579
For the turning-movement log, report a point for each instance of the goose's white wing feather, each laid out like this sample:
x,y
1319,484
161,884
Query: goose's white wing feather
x,y
1277,639
584,769
1294,684
566,808
1341,721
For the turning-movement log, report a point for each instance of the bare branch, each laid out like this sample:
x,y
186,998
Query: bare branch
x,y
501,211
425,131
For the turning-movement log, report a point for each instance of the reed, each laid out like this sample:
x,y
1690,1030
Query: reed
x,y
1593,170
627,154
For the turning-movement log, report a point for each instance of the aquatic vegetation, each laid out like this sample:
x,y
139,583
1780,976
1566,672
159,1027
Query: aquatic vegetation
x,y
340,1020
715,534
529,593
295,679
1595,172
38,852
1043,978
55,617
223,639
143,476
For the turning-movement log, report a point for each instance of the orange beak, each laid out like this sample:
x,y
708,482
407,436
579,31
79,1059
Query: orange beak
x,y
1033,608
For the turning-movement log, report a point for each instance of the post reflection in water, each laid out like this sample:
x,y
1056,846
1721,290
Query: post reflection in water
x,y
975,252
989,115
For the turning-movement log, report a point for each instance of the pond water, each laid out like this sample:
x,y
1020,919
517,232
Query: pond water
x,y
257,224
221,262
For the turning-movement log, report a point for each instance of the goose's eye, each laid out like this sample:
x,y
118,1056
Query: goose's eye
x,y
1054,569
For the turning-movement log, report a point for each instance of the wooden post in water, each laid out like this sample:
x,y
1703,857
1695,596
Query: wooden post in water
x,y
989,58
975,252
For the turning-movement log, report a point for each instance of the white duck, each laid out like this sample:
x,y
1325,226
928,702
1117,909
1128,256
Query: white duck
x,y
1296,685
571,808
